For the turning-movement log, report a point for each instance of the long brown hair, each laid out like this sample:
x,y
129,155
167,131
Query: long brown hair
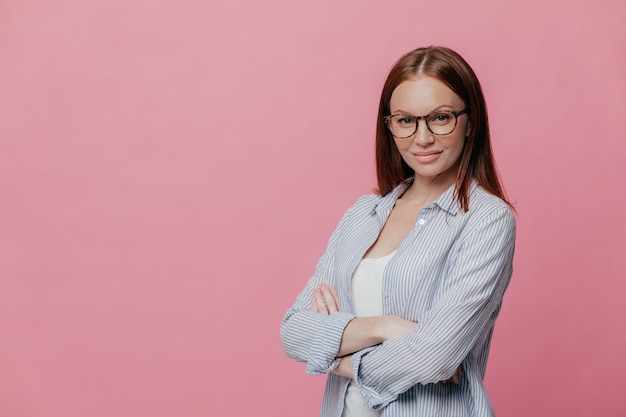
x,y
476,161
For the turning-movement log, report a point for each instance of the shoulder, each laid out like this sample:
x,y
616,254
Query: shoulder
x,y
364,204
376,202
485,208
367,200
482,200
358,214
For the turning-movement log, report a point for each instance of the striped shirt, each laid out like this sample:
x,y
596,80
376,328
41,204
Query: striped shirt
x,y
449,275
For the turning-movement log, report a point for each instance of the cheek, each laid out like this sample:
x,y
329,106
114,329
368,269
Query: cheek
x,y
455,150
402,145
455,144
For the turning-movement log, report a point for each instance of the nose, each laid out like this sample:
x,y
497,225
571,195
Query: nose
x,y
423,135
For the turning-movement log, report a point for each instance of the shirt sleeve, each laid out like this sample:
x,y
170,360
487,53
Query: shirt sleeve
x,y
464,310
313,337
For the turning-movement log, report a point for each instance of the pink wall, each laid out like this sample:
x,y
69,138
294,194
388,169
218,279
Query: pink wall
x,y
163,169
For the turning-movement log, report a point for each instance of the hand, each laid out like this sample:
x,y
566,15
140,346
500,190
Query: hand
x,y
344,368
456,378
325,299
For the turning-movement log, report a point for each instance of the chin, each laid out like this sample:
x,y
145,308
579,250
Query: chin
x,y
437,175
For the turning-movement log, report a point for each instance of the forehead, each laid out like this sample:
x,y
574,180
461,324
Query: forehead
x,y
422,94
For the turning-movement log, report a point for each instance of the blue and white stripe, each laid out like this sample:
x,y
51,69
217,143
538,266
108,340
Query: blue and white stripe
x,y
449,275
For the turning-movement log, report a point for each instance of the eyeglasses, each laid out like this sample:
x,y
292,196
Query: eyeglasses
x,y
440,122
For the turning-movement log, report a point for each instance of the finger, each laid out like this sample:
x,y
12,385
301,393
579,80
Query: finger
x,y
331,304
333,291
320,302
318,299
456,378
314,306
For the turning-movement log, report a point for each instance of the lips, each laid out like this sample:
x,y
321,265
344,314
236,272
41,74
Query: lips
x,y
428,156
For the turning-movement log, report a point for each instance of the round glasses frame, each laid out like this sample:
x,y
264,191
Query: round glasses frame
x,y
416,119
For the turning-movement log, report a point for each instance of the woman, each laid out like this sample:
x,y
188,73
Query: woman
x,y
401,308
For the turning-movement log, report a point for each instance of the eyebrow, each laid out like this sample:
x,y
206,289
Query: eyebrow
x,y
438,108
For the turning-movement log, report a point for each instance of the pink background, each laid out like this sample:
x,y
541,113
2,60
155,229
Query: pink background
x,y
171,172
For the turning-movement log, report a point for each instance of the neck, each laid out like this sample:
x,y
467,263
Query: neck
x,y
426,190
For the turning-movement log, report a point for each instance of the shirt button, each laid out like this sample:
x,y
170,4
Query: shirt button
x,y
421,222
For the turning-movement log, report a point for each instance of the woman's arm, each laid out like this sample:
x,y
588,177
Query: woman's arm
x,y
306,335
360,332
363,332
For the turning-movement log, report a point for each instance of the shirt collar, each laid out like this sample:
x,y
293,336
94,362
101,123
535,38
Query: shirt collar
x,y
446,201
386,203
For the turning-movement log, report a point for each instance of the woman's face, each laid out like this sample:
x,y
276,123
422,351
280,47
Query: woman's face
x,y
428,154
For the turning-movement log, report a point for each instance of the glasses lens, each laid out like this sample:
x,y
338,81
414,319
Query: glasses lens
x,y
441,122
402,125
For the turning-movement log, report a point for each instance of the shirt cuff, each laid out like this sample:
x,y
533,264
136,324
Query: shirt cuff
x,y
322,357
373,398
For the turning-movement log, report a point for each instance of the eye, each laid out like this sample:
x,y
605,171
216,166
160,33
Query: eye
x,y
440,118
404,120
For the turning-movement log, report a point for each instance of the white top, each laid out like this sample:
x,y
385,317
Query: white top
x,y
367,294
